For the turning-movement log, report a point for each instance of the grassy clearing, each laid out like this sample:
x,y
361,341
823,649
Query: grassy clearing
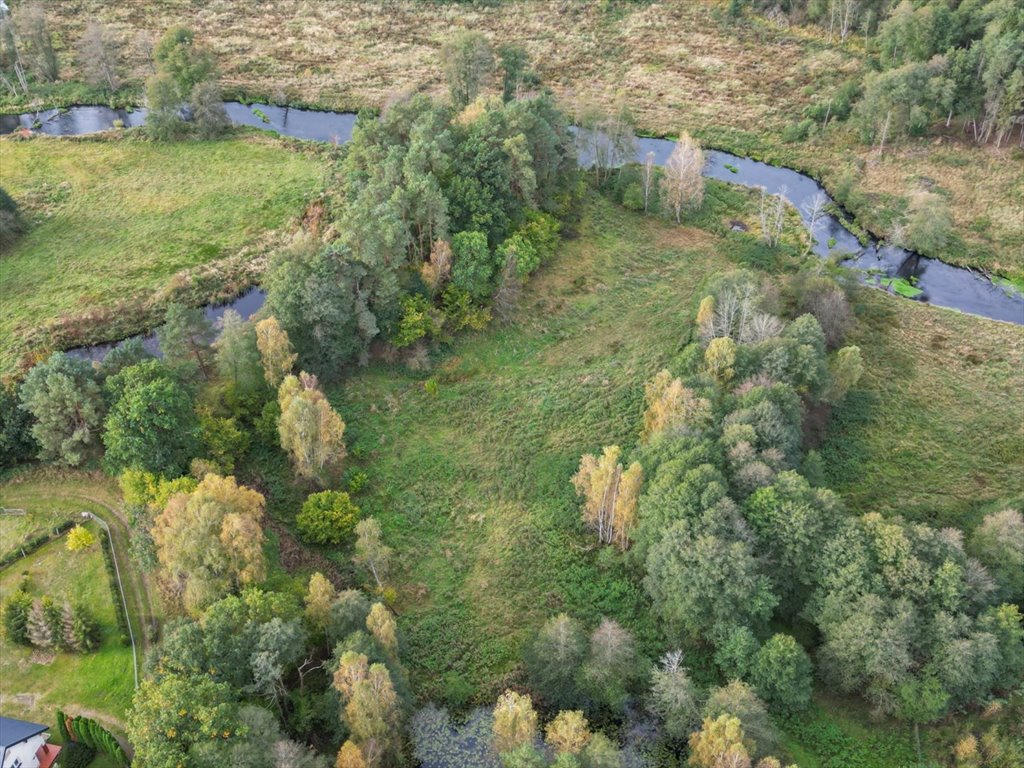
x,y
678,65
934,431
36,682
472,484
117,220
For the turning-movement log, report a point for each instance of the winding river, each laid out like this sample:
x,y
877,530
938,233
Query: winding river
x,y
940,283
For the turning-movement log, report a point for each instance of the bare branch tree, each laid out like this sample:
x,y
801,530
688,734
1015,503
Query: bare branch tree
x,y
682,186
814,211
648,179
773,211
99,53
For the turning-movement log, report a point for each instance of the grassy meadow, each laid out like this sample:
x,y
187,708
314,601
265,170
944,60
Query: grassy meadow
x,y
471,483
117,221
678,66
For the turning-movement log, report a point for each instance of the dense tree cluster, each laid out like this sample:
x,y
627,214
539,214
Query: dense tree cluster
x,y
440,207
733,537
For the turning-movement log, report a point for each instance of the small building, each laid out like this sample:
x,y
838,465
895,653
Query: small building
x,y
23,745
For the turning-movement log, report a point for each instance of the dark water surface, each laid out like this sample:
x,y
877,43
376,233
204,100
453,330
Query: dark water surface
x,y
942,284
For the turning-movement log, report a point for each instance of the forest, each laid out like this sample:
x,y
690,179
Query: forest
x,y
479,436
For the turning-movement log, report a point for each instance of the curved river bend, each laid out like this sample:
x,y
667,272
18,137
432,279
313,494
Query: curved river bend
x,y
942,284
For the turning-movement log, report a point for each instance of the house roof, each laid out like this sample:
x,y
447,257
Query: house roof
x,y
16,731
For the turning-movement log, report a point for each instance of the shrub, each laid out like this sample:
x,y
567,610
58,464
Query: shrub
x,y
80,538
328,517
797,131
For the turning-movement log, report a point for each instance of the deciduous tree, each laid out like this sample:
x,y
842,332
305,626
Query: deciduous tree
x,y
553,660
311,431
275,349
515,722
468,61
569,732
671,406
210,542
99,53
673,696
610,495
371,552
682,185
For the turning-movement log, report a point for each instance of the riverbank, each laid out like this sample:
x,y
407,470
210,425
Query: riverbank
x,y
676,65
120,227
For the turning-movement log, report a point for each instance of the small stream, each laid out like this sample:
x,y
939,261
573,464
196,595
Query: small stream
x,y
940,283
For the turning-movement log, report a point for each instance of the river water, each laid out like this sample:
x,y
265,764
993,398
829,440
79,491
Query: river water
x,y
941,284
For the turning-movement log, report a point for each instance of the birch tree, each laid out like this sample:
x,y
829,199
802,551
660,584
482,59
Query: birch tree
x,y
670,405
311,432
99,54
276,351
371,552
610,495
648,179
515,721
682,186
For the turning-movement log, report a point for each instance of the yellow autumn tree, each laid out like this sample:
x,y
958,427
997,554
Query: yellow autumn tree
x,y
350,756
671,405
706,317
80,538
373,716
311,431
381,623
719,359
610,495
515,721
568,732
319,597
276,352
720,744
210,542
352,668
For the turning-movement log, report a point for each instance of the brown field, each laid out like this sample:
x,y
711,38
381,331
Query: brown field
x,y
678,64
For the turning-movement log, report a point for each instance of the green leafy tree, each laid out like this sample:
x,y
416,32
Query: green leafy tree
x,y
237,353
172,715
328,517
151,425
999,544
468,62
474,265
922,701
516,73
184,83
782,674
64,398
700,583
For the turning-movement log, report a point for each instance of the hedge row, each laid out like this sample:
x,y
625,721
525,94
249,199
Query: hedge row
x,y
31,545
115,590
87,732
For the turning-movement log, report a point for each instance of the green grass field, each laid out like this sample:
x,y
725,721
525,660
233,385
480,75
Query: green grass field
x,y
114,221
934,431
36,682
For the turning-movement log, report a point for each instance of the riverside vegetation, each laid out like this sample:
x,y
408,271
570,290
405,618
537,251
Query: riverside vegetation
x,y
497,439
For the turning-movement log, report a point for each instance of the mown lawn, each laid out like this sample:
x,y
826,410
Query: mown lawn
x,y
115,220
37,682
678,65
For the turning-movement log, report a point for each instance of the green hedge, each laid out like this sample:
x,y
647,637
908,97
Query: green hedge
x,y
31,545
115,591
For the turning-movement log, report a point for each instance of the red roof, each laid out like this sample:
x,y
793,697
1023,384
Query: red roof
x,y
46,755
